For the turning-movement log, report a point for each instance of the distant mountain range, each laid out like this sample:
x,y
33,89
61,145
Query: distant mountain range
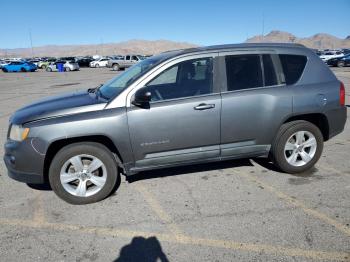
x,y
317,41
144,47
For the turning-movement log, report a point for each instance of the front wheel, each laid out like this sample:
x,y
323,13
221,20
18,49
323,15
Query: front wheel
x,y
297,146
340,64
23,70
97,65
67,69
115,67
83,173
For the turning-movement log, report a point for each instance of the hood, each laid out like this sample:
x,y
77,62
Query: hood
x,y
67,104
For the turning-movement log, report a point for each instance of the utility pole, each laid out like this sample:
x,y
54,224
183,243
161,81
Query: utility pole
x,y
31,41
101,46
263,26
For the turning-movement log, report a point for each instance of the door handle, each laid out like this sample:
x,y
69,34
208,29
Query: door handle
x,y
204,106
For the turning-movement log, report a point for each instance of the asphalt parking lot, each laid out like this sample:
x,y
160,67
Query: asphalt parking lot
x,y
240,210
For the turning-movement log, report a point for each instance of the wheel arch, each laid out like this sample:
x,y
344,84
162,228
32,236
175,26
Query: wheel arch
x,y
57,145
318,119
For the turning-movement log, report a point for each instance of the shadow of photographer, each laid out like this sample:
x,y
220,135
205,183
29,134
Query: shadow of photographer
x,y
142,249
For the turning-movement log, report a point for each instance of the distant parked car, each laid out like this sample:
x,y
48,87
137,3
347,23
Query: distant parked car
x,y
329,55
68,58
68,66
116,57
84,62
125,62
3,63
19,66
99,63
340,61
34,61
44,63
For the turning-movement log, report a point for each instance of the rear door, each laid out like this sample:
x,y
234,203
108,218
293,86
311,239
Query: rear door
x,y
183,121
255,101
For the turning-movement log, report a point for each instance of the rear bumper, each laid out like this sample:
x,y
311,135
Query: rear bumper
x,y
336,121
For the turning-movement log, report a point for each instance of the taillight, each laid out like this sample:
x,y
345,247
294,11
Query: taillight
x,y
342,94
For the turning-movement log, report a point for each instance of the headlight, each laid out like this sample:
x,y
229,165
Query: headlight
x,y
18,133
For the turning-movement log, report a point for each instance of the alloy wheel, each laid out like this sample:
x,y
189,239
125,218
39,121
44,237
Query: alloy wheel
x,y
83,175
300,148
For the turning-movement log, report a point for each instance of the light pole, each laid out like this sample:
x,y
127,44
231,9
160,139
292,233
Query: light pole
x,y
31,41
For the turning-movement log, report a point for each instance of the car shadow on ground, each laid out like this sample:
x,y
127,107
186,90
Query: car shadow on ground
x,y
142,249
189,169
42,187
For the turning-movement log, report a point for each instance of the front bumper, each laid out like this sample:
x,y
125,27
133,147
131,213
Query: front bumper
x,y
23,163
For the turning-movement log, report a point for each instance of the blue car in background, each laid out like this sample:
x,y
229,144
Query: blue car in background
x,y
19,66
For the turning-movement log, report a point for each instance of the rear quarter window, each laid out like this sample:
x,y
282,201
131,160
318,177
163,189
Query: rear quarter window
x,y
293,67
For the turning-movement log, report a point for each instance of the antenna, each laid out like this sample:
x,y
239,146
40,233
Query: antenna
x,y
31,41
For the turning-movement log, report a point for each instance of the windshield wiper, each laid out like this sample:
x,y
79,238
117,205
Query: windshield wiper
x,y
94,89
97,92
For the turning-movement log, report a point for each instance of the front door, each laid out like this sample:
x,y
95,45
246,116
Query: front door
x,y
182,123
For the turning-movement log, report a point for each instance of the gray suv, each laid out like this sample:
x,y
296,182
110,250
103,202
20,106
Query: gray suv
x,y
178,108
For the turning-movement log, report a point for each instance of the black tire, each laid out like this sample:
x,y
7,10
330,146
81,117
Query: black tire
x,y
115,67
23,70
4,70
340,64
90,148
97,65
284,133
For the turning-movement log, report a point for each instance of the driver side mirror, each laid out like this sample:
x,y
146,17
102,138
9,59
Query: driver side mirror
x,y
142,98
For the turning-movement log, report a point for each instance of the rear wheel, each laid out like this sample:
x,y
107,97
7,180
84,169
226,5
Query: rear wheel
x,y
4,70
116,67
67,69
297,147
48,69
83,173
23,69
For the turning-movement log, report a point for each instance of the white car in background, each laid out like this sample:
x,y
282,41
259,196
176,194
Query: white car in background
x,y
4,62
102,62
329,55
67,65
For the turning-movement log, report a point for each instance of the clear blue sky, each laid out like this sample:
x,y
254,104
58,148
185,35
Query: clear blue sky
x,y
202,22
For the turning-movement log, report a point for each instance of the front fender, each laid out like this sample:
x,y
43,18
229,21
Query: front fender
x,y
111,123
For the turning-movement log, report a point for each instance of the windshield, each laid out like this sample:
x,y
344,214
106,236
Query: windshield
x,y
122,81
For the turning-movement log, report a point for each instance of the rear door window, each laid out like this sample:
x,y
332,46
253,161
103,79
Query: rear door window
x,y
243,72
293,67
